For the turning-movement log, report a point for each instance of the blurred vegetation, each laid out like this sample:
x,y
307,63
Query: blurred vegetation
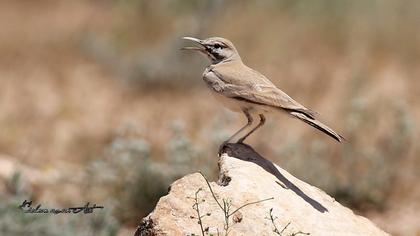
x,y
130,175
362,175
14,222
74,72
138,51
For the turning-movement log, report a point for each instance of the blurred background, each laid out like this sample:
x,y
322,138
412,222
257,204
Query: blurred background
x,y
98,104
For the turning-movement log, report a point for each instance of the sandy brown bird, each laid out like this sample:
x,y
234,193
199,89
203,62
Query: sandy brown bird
x,y
243,89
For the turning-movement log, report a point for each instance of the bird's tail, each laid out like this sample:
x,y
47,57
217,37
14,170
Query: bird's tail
x,y
319,125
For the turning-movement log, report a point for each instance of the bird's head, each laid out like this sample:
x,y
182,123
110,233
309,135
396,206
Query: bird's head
x,y
217,49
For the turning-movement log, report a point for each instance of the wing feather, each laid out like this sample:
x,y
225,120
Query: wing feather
x,y
247,84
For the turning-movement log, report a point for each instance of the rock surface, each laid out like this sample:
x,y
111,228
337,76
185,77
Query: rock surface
x,y
296,207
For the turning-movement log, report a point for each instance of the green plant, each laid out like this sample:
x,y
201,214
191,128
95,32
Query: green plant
x,y
225,208
280,232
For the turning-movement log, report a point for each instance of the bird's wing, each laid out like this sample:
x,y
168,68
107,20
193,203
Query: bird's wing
x,y
249,85
270,96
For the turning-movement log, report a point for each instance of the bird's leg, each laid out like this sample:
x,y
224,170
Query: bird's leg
x,y
249,123
262,121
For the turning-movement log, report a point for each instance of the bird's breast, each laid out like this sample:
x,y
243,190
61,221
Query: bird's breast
x,y
229,103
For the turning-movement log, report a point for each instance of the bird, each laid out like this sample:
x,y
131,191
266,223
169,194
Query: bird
x,y
242,89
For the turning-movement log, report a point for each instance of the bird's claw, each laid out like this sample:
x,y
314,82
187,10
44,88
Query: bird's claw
x,y
221,147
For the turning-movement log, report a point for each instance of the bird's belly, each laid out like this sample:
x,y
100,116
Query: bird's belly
x,y
229,103
239,106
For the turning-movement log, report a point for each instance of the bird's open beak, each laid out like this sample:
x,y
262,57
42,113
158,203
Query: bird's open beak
x,y
198,41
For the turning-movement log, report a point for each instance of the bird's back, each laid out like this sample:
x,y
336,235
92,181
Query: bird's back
x,y
246,84
237,73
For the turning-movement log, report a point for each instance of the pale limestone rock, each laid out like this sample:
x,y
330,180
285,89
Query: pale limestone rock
x,y
246,177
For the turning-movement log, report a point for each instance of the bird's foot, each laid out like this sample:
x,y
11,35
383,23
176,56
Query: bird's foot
x,y
222,147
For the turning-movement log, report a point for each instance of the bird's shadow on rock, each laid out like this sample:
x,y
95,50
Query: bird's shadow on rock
x,y
247,153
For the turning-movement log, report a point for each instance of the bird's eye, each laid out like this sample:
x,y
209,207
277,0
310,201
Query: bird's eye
x,y
217,46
